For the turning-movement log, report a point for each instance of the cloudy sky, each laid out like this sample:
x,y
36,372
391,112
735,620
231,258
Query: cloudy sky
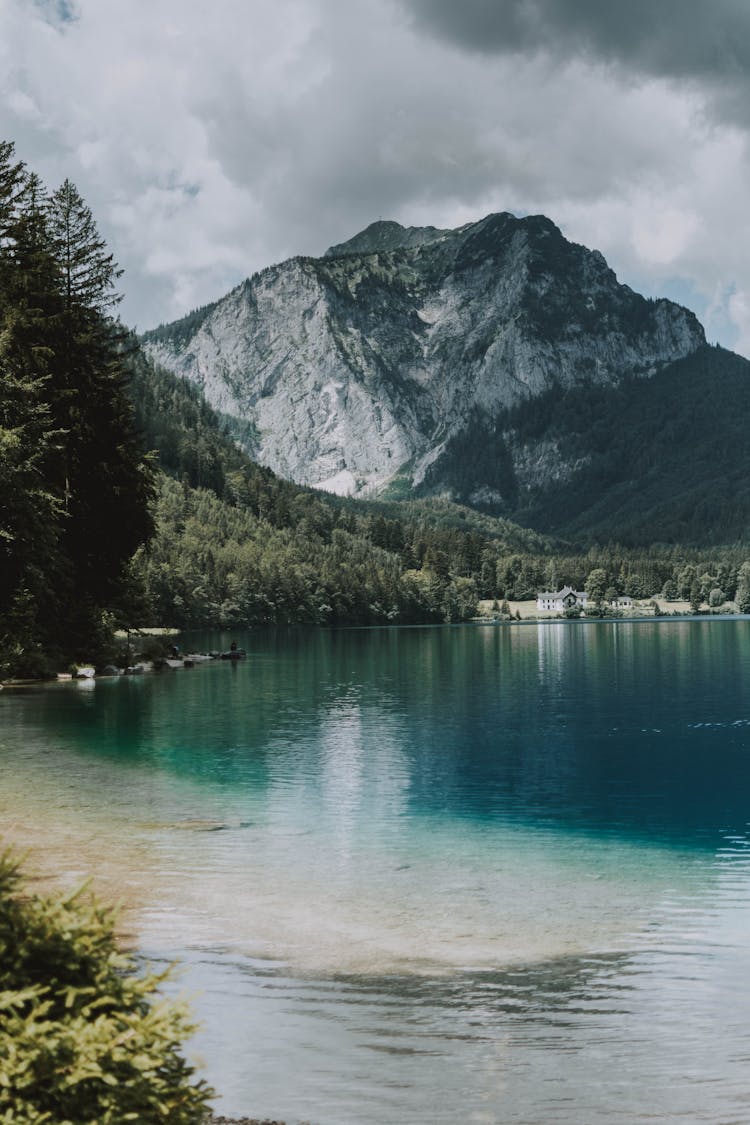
x,y
214,139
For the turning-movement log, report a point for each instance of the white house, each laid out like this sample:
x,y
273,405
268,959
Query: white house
x,y
567,598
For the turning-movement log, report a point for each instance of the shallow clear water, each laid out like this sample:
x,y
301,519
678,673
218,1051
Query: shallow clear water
x,y
483,874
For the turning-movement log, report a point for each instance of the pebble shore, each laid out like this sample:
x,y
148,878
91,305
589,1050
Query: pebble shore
x,y
243,1121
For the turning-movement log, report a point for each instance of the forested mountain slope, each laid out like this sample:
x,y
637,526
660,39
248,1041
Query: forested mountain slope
x,y
660,460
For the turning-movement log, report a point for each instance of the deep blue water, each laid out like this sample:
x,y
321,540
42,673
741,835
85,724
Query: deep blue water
x,y
478,873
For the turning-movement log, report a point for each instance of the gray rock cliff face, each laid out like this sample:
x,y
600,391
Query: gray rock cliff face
x,y
358,367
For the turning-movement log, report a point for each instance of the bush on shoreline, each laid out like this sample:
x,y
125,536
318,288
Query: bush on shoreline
x,y
85,1038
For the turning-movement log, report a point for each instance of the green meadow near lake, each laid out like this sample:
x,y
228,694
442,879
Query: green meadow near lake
x,y
425,874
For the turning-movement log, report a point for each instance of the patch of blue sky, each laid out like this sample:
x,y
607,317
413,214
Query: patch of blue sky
x,y
185,187
57,11
714,314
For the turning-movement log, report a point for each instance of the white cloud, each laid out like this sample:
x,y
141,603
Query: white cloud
x,y
739,314
213,141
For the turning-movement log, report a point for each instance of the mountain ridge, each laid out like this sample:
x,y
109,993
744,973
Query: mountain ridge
x,y
384,235
357,368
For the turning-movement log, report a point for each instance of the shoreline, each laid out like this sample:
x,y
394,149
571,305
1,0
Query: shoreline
x,y
214,1120
551,619
637,619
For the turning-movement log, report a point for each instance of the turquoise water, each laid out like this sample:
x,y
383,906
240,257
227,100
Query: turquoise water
x,y
483,874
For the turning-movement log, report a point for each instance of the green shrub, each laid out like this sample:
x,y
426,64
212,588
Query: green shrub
x,y
84,1035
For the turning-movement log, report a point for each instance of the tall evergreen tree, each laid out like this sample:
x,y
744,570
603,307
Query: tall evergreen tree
x,y
107,482
32,569
12,180
743,588
74,484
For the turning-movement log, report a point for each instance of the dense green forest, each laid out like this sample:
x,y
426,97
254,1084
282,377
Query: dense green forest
x,y
662,459
75,488
125,500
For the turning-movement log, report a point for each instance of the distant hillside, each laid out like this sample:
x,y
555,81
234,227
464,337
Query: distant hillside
x,y
664,459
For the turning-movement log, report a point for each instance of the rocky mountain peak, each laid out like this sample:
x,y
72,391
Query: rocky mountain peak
x,y
384,235
355,371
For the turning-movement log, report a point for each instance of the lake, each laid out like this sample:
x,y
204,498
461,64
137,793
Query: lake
x,y
478,874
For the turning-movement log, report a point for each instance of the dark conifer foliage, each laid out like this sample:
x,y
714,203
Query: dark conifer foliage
x,y
106,487
32,570
89,272
12,180
663,459
74,484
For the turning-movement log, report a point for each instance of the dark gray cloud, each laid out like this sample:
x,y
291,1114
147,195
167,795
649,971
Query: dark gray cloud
x,y
669,38
211,142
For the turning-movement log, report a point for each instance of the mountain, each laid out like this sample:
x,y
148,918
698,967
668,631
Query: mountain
x,y
475,363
